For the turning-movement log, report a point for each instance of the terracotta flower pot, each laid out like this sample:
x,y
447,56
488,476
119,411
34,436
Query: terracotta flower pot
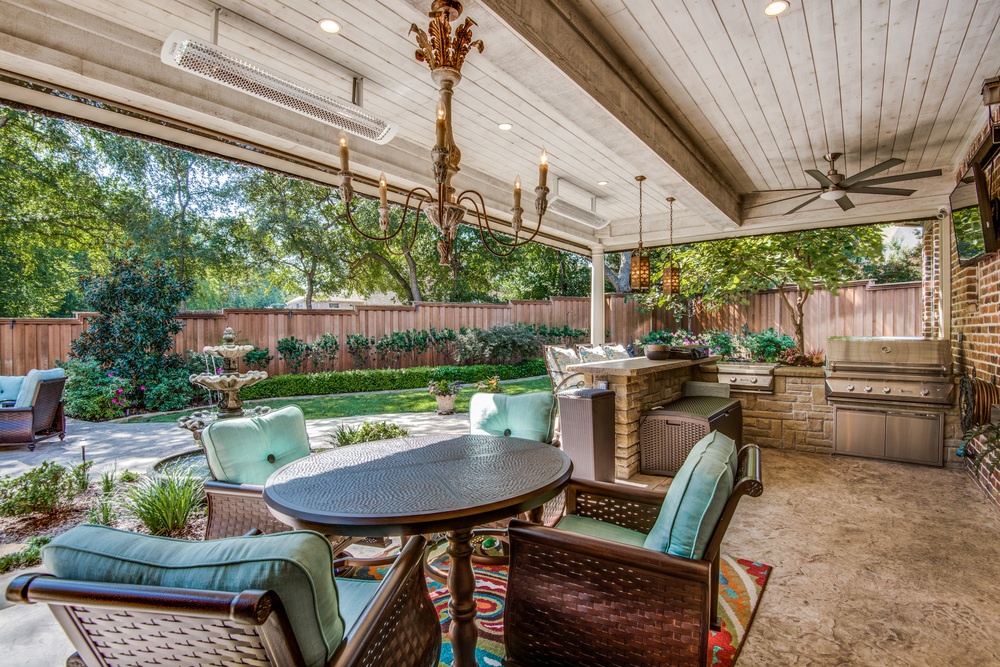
x,y
446,404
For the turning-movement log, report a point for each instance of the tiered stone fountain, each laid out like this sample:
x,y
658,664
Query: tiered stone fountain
x,y
227,381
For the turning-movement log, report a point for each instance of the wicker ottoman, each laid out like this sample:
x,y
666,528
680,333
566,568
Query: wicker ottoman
x,y
667,434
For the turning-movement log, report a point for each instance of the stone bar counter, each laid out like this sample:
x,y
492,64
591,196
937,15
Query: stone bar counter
x,y
639,384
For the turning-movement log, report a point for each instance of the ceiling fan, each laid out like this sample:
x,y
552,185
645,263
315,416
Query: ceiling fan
x,y
835,187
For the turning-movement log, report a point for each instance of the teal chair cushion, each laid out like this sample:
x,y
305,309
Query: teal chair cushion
x,y
27,392
10,386
247,450
530,416
297,565
582,525
696,499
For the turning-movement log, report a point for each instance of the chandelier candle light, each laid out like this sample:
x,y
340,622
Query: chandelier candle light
x,y
445,53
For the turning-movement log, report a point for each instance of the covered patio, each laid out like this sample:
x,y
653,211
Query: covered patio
x,y
728,112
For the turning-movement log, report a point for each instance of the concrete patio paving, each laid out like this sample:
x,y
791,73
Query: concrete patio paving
x,y
138,446
875,563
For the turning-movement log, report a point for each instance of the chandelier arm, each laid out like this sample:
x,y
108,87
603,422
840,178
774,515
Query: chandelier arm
x,y
468,194
350,219
482,235
416,223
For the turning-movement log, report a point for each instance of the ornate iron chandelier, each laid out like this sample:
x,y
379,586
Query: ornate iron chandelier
x,y
445,53
640,257
671,269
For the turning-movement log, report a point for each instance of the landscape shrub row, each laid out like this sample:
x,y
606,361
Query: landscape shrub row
x,y
767,346
353,381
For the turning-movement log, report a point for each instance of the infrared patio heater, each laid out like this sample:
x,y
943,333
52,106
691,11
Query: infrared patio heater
x,y
444,49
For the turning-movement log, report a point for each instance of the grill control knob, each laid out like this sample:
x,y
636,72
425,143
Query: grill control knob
x,y
868,388
925,392
732,378
850,387
753,380
886,390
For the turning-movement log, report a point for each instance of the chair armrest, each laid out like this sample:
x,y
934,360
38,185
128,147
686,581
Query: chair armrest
x,y
575,599
234,509
629,507
16,425
399,626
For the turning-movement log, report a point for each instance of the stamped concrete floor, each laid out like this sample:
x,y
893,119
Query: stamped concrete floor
x,y
875,563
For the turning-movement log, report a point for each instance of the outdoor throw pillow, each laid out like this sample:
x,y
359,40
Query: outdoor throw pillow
x,y
696,499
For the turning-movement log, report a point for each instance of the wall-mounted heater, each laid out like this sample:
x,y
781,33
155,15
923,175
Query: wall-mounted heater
x,y
573,202
214,63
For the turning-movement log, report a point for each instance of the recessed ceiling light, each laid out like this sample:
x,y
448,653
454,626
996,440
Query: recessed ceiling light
x,y
504,126
776,7
329,25
602,182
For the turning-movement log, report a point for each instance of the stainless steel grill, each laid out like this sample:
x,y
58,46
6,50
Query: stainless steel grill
x,y
888,395
758,378
907,370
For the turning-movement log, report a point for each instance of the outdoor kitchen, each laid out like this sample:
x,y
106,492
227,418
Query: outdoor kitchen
x,y
889,398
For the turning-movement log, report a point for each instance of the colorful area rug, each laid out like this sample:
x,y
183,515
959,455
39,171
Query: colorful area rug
x,y
741,584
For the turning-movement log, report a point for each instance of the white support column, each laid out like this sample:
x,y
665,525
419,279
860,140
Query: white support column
x,y
597,295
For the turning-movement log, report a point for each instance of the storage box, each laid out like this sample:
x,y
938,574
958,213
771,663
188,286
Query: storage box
x,y
667,434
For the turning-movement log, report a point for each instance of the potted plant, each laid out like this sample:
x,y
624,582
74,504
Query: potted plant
x,y
445,392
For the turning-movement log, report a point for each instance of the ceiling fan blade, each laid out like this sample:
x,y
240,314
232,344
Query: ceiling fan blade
x,y
901,177
821,177
805,203
865,190
871,171
845,203
778,201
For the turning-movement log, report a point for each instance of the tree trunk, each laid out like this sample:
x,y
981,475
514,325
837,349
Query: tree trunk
x,y
310,279
411,268
393,271
797,313
563,285
621,281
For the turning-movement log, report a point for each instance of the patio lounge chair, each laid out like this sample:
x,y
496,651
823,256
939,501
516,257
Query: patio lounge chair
x,y
556,360
651,560
31,408
130,599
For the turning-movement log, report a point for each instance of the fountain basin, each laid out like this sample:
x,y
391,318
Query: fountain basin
x,y
227,351
193,459
217,382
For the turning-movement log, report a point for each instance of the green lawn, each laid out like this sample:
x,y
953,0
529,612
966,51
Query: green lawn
x,y
416,400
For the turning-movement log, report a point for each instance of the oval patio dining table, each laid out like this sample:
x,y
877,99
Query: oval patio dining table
x,y
420,485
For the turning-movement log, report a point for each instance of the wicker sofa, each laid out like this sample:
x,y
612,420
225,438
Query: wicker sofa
x,y
31,408
265,600
656,608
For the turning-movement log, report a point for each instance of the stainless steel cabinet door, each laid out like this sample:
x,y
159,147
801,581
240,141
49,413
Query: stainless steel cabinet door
x,y
859,432
911,436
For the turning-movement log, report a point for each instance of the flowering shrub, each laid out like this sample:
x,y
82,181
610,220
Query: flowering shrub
x,y
443,387
490,385
793,357
92,393
719,342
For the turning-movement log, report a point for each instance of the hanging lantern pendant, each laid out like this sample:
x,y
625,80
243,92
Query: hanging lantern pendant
x,y
640,258
671,269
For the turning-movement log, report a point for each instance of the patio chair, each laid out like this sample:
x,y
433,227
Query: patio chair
x,y
130,599
556,360
36,411
652,560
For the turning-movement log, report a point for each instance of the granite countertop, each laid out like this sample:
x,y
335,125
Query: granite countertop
x,y
636,366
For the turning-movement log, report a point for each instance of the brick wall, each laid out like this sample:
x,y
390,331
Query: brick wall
x,y
932,279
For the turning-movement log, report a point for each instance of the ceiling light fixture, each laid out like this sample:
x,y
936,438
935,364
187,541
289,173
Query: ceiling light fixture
x,y
833,194
329,25
444,52
640,259
504,127
671,269
232,70
776,7
602,183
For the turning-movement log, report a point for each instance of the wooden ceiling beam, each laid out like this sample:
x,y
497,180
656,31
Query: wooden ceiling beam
x,y
564,36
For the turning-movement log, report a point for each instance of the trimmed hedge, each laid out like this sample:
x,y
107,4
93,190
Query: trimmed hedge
x,y
346,382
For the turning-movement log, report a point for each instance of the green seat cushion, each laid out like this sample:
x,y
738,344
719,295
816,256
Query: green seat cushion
x,y
10,386
248,450
26,394
696,499
297,565
354,596
582,525
530,416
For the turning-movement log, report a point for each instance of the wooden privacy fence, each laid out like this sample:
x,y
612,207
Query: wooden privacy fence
x,y
859,310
